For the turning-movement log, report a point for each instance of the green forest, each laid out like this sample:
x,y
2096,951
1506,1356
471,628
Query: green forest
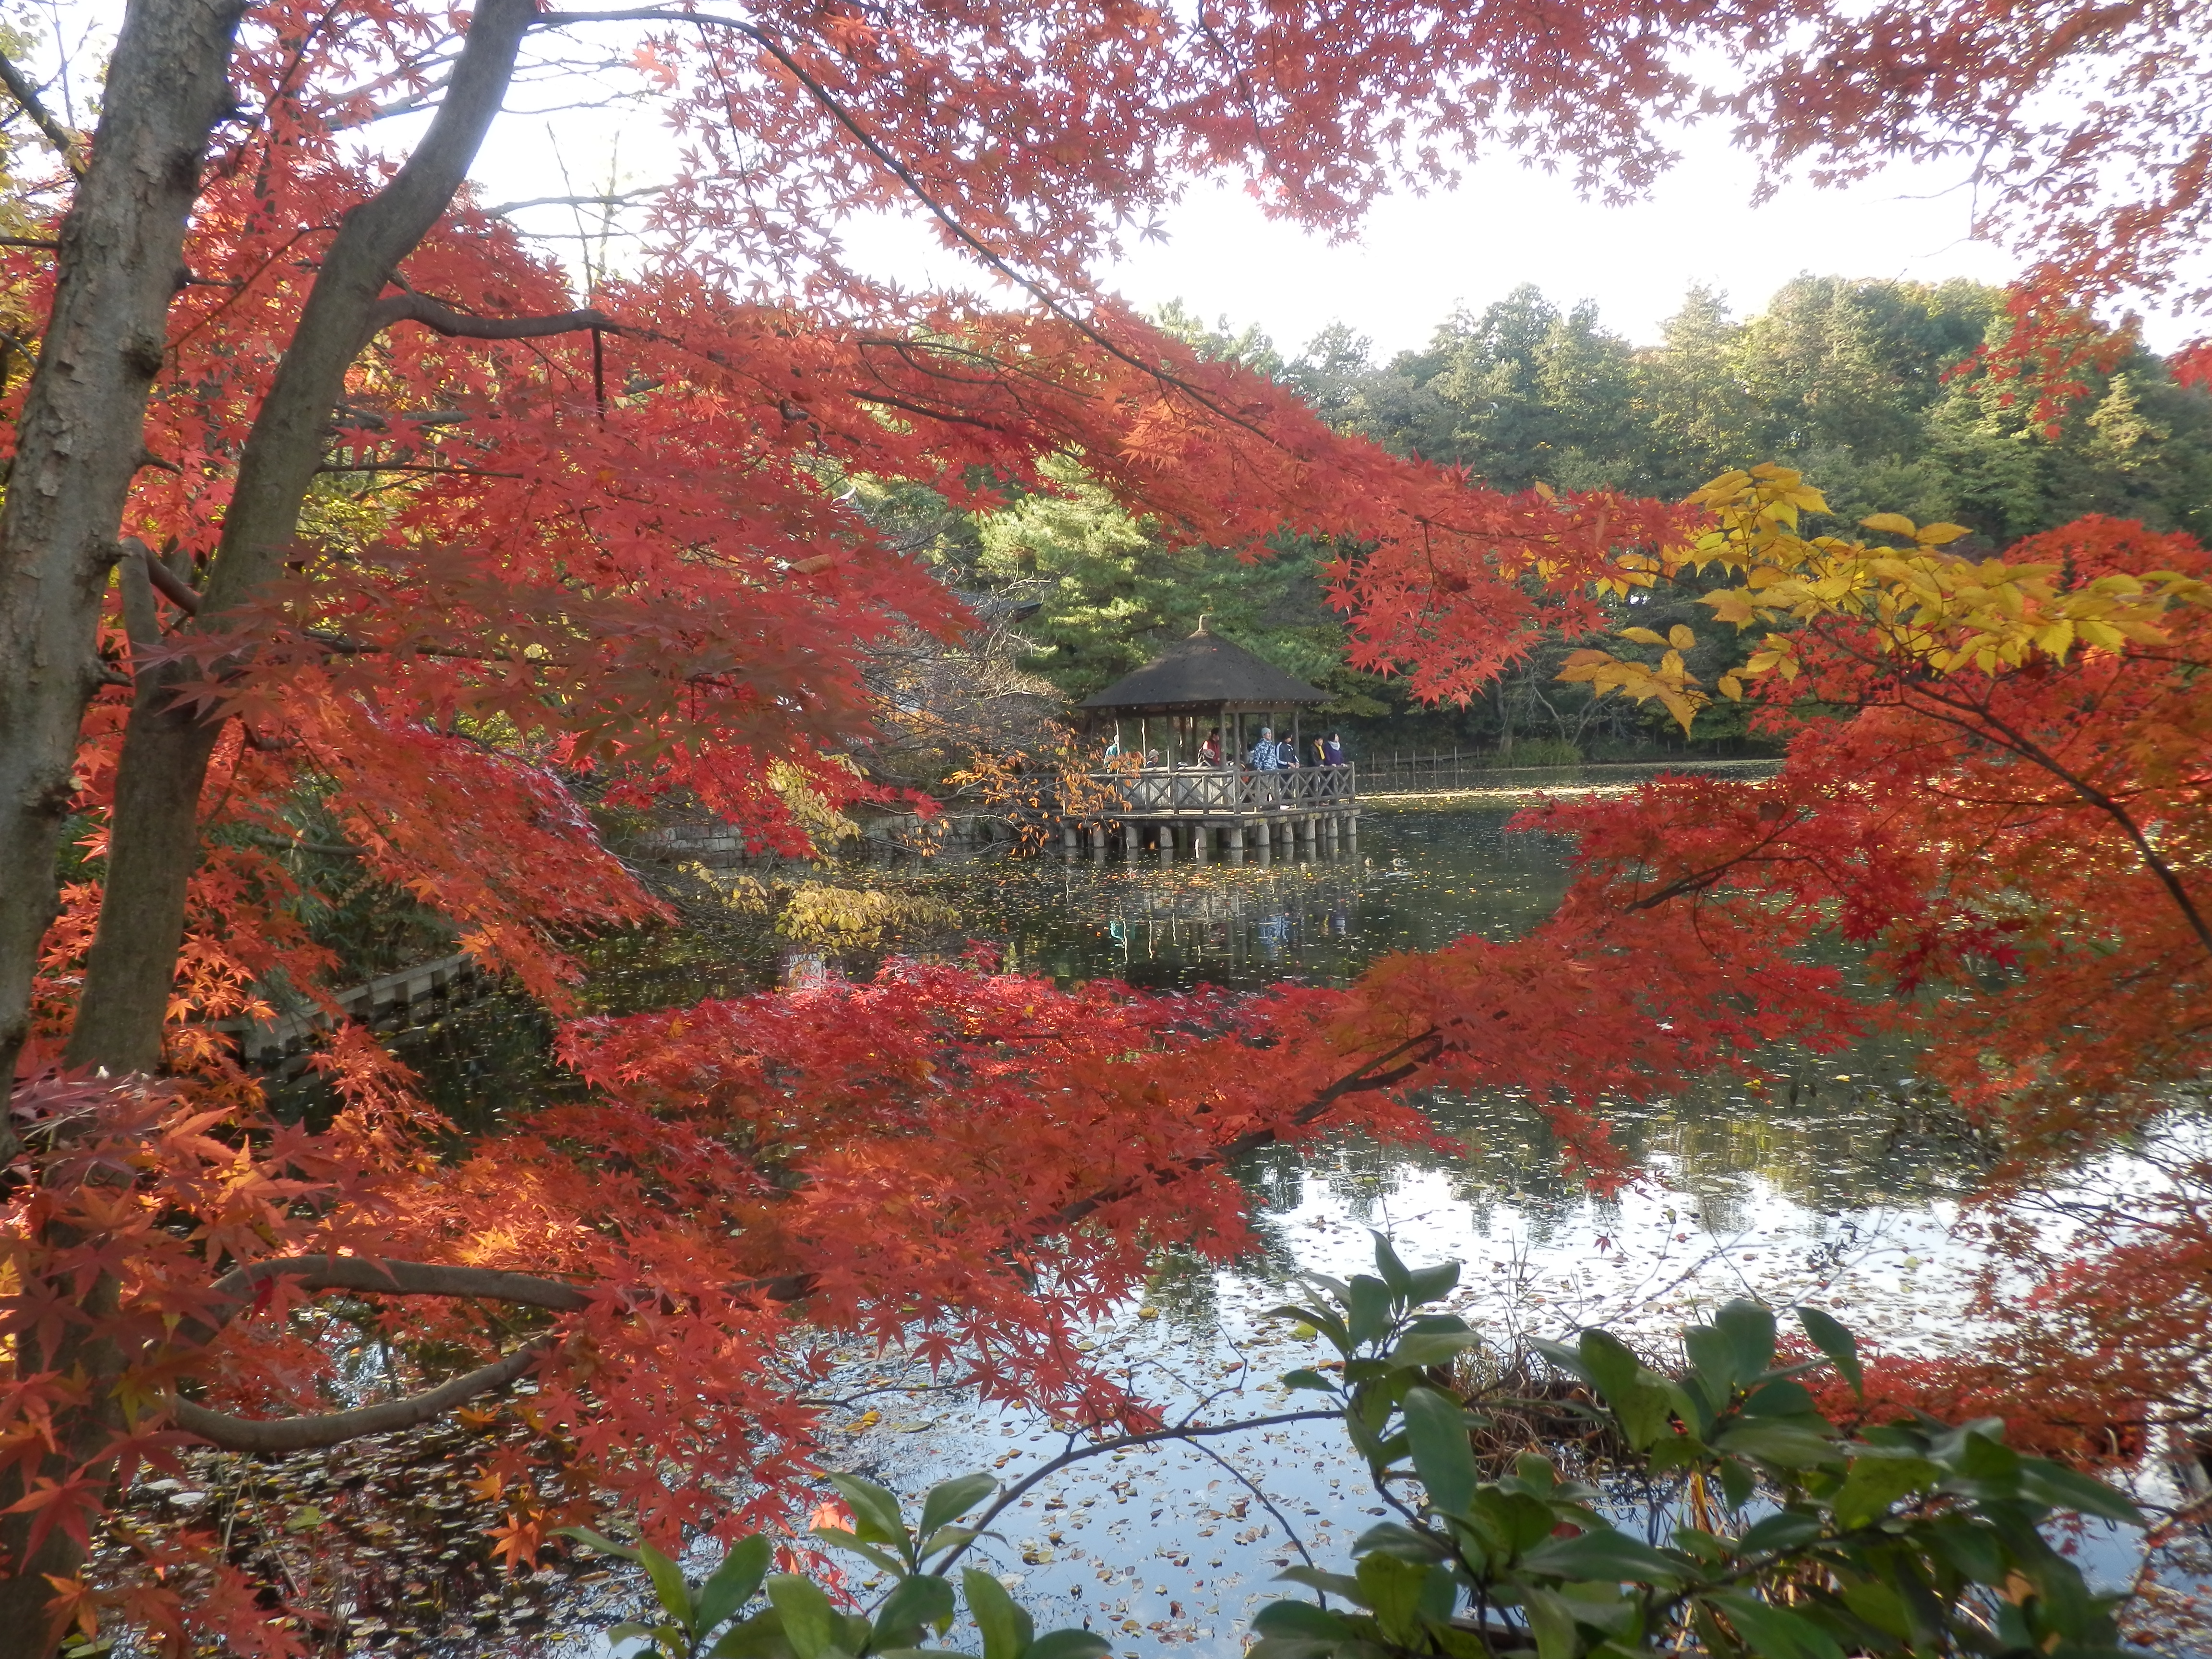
x,y
1868,388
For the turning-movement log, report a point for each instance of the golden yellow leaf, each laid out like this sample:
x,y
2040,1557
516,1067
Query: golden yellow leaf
x,y
1895,523
1934,535
1730,605
1642,636
1681,638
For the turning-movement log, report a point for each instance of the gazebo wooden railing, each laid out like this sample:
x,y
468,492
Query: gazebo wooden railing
x,y
1224,789
1234,809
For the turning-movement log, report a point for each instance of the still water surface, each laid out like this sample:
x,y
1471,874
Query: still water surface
x,y
1830,1181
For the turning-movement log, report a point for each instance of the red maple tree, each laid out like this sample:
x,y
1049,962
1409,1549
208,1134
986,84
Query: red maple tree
x,y
374,506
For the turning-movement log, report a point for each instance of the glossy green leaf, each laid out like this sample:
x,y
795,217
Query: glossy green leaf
x,y
1368,1301
1775,1632
2069,1489
1329,1584
946,1538
838,1538
876,1518
1395,1537
598,1541
1608,1556
1300,1618
1607,1362
1428,1284
1785,1529
1425,1348
1387,1264
948,1500
1783,1398
1552,1621
669,1588
761,1636
732,1584
1782,1444
1435,1431
1839,1344
1713,1357
1873,1484
1749,1328
1069,1644
1739,1482
1327,1323
921,1601
810,1624
1007,1627
1393,1589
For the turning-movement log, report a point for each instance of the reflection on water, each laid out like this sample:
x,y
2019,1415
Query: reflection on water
x,y
1828,1180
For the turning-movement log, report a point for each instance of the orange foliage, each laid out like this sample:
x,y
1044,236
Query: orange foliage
x,y
621,554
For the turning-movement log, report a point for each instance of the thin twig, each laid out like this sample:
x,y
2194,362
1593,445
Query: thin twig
x,y
56,134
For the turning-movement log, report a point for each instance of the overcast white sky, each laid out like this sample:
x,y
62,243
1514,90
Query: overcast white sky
x,y
1417,258
1420,257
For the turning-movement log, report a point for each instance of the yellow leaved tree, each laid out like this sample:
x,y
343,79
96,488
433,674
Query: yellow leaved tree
x,y
1909,599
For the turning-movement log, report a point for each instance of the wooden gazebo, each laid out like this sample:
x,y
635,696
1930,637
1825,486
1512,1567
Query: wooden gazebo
x,y
1199,685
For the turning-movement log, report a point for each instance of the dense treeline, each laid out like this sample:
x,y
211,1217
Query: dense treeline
x,y
1871,388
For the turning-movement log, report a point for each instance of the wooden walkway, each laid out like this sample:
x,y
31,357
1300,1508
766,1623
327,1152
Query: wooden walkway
x,y
386,999
1233,811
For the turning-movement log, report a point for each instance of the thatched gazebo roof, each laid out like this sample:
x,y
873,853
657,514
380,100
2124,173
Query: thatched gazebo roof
x,y
1204,674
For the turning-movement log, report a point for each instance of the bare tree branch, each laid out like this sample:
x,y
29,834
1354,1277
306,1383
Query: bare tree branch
x,y
241,1286
60,137
420,309
277,1435
885,158
171,586
604,198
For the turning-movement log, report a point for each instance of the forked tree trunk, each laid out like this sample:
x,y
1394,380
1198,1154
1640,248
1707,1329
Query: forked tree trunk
x,y
154,837
80,439
78,444
82,446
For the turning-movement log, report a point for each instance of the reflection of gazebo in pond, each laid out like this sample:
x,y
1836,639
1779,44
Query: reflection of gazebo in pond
x,y
1201,684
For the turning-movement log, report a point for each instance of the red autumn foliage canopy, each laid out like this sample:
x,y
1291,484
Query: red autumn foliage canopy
x,y
615,543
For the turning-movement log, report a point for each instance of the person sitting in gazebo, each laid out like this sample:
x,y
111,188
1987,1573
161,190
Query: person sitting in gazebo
x,y
1209,752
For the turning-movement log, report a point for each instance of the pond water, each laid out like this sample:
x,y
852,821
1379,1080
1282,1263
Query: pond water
x,y
1833,1181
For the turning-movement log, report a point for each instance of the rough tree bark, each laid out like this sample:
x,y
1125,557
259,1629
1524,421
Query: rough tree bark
x,y
80,439
155,834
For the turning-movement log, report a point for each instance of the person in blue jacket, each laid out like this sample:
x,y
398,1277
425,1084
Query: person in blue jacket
x,y
1266,758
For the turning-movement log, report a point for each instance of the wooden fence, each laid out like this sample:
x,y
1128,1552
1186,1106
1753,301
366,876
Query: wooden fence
x,y
1395,772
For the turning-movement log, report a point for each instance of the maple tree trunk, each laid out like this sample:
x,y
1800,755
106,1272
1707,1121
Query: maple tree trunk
x,y
80,438
154,840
